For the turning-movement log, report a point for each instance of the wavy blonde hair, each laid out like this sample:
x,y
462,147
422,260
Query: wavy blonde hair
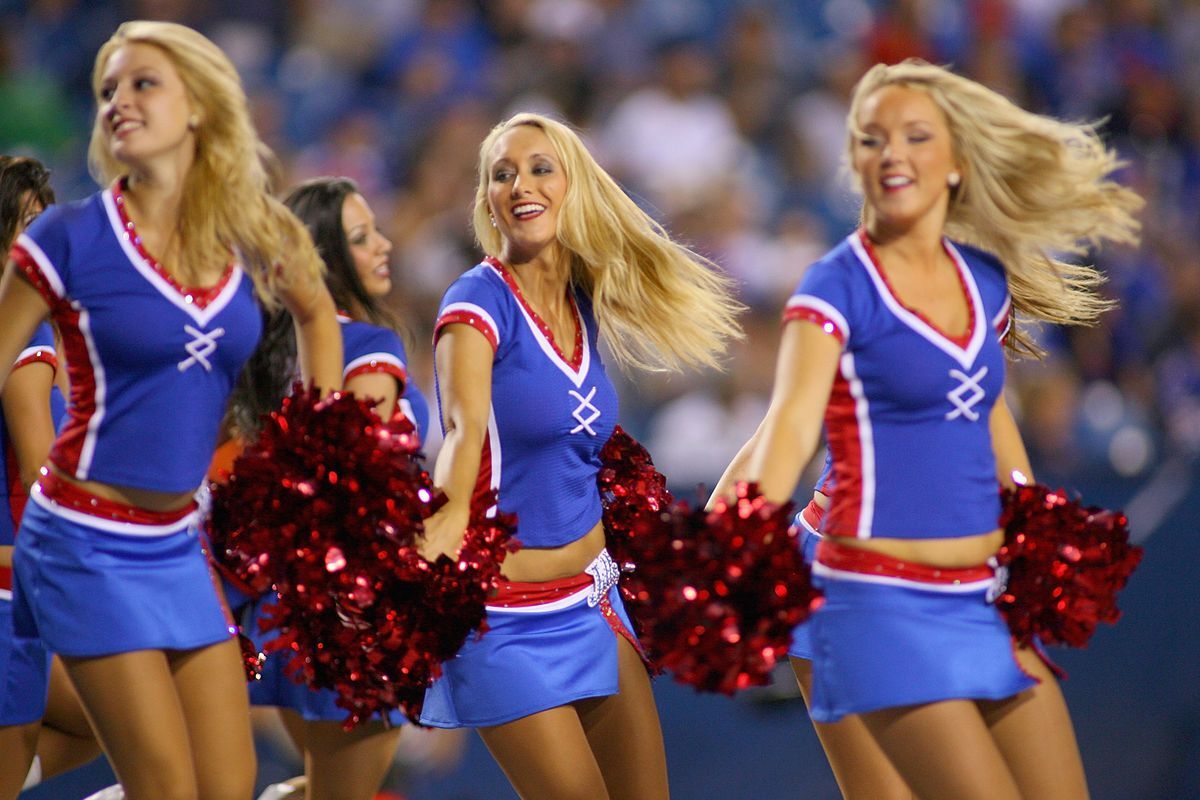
x,y
1032,187
658,304
227,204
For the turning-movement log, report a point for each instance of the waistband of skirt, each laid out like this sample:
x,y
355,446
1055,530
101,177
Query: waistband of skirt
x,y
846,562
558,593
70,497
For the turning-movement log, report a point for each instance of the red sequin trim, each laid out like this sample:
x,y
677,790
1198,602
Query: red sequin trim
x,y
847,558
39,357
576,358
517,594
961,341
33,273
377,366
466,318
200,296
78,499
812,315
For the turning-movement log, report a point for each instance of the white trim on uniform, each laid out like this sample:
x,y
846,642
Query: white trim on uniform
x,y
891,580
576,377
964,356
111,525
385,357
826,308
476,310
99,395
48,271
866,445
202,315
544,608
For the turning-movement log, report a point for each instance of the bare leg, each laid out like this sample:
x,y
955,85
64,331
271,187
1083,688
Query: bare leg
x,y
546,756
862,771
66,740
343,765
18,744
211,685
134,708
944,751
1033,730
624,733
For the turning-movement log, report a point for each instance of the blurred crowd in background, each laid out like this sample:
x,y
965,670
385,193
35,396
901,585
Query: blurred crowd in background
x,y
724,119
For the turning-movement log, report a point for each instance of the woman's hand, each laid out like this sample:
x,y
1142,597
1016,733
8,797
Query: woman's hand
x,y
444,533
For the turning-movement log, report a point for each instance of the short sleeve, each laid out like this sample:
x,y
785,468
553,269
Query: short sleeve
x,y
40,349
823,297
374,349
477,299
42,254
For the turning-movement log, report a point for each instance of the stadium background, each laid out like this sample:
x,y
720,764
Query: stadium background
x,y
725,119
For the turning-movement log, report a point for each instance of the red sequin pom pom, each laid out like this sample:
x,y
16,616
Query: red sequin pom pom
x,y
713,595
1066,563
325,508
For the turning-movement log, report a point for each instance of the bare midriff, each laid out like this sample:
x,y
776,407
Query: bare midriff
x,y
961,551
140,498
533,564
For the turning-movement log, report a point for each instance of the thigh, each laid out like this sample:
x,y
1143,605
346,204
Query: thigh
x,y
347,765
17,745
64,712
66,740
624,732
943,749
135,710
862,771
211,684
1033,730
546,756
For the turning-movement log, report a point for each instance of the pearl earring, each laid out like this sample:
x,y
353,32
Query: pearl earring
x,y
492,220
193,122
953,179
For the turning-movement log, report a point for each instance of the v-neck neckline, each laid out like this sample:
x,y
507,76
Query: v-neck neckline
x,y
963,348
575,361
199,296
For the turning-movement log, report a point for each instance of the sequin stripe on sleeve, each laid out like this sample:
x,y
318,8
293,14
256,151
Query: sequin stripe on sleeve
x,y
468,314
37,355
40,275
377,363
815,310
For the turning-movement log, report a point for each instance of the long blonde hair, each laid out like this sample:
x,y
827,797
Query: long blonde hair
x,y
1032,187
658,304
226,205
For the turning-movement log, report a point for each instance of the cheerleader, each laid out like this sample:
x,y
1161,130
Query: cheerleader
x,y
337,763
556,687
155,284
61,739
895,341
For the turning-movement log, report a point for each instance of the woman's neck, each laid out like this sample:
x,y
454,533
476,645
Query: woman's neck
x,y
543,281
918,246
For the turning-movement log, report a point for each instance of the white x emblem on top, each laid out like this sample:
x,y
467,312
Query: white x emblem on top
x,y
200,347
585,407
968,383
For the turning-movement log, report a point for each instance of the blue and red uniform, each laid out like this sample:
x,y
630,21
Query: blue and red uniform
x,y
552,411
23,662
908,430
366,349
151,366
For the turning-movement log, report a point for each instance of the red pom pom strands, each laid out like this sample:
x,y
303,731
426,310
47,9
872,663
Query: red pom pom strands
x,y
325,508
713,595
1066,563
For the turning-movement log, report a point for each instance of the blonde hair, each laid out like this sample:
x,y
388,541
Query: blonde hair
x,y
226,205
658,304
1032,187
